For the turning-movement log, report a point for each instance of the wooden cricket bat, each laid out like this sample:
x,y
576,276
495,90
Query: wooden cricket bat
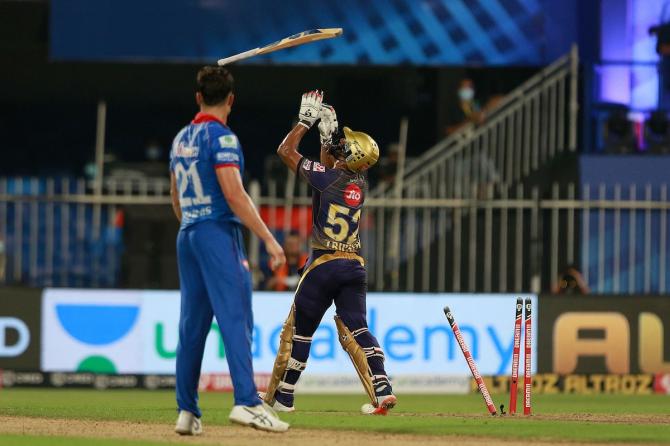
x,y
296,39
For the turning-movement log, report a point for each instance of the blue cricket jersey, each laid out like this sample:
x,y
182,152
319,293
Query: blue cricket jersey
x,y
197,151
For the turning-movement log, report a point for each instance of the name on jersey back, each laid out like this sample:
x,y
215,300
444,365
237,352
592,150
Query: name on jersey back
x,y
198,212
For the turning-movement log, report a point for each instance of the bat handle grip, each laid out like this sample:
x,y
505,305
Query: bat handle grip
x,y
236,57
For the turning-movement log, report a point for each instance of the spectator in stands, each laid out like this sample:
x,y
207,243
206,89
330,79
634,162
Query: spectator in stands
x,y
619,132
570,281
287,276
466,109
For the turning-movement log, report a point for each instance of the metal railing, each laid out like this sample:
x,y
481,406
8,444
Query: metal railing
x,y
528,128
60,232
509,239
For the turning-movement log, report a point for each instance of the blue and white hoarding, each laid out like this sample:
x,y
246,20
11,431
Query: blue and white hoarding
x,y
137,332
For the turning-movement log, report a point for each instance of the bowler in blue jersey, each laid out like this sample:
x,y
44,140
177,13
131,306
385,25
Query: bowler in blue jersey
x,y
211,204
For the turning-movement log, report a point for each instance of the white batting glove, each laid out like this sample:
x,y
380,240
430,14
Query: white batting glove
x,y
328,125
310,107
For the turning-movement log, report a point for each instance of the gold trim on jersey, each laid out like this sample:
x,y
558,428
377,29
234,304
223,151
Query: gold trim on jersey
x,y
330,245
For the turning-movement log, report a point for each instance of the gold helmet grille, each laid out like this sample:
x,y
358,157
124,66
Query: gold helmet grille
x,y
361,152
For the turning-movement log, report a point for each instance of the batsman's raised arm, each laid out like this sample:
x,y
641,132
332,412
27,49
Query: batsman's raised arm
x,y
310,108
288,149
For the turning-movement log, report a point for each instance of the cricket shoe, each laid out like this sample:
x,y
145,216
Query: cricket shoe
x,y
261,417
277,406
188,424
384,403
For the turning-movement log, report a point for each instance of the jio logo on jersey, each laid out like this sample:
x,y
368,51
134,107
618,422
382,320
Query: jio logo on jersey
x,y
353,195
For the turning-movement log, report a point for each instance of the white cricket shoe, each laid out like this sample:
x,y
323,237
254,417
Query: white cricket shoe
x,y
384,403
277,406
259,417
188,424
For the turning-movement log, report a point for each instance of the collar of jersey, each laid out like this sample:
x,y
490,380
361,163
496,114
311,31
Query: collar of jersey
x,y
201,117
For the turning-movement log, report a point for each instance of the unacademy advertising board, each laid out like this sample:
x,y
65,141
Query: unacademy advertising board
x,y
92,330
137,332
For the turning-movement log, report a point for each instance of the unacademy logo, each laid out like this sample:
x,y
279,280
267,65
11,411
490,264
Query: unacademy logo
x,y
97,325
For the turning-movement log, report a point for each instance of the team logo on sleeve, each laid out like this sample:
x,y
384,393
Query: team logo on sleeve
x,y
228,141
353,195
307,165
227,157
318,167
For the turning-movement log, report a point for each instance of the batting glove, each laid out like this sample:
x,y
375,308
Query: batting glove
x,y
328,124
310,106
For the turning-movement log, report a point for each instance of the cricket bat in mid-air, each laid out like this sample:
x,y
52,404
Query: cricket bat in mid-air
x,y
296,39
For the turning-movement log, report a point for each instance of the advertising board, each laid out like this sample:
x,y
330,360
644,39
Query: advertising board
x,y
604,335
137,332
20,331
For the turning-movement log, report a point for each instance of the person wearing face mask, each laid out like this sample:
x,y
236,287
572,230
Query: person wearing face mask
x,y
466,109
570,281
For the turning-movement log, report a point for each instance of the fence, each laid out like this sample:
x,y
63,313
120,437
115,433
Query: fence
x,y
58,233
527,129
510,240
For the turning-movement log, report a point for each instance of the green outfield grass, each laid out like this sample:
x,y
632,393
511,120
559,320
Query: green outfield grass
x,y
463,415
33,440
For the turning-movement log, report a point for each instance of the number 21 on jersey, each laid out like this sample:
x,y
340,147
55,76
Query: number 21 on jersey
x,y
192,177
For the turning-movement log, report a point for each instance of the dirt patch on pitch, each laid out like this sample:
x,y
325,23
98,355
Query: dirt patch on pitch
x,y
607,418
234,435
213,435
581,417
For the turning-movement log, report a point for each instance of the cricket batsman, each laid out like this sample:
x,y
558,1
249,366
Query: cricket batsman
x,y
335,271
209,200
